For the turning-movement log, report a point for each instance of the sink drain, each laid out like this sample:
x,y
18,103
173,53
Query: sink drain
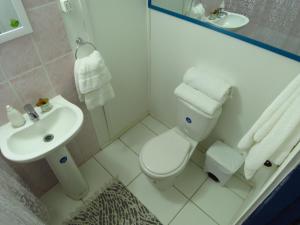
x,y
48,138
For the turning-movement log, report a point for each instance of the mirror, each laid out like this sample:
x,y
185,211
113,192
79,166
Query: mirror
x,y
13,20
273,25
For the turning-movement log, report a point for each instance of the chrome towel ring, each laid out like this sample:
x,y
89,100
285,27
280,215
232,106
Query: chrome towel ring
x,y
80,42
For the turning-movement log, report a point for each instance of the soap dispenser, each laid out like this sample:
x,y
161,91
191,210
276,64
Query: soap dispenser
x,y
15,118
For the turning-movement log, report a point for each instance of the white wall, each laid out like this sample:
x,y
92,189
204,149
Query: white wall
x,y
118,28
7,12
120,33
258,75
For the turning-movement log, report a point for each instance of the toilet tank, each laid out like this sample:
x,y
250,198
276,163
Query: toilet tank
x,y
193,122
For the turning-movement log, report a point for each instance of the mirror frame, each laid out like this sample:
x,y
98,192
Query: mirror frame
x,y
226,32
20,31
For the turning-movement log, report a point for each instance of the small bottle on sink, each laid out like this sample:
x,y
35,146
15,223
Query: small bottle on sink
x,y
15,118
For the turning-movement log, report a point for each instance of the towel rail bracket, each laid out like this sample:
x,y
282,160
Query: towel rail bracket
x,y
80,42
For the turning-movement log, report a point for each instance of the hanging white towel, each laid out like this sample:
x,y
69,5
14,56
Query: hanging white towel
x,y
279,142
197,99
207,82
92,79
267,120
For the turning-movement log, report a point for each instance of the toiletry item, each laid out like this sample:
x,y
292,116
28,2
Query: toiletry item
x,y
44,104
15,117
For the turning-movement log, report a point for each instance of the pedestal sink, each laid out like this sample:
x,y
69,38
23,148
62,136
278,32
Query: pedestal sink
x,y
230,21
47,138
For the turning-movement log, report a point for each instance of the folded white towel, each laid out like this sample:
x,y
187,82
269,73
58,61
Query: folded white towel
x,y
206,82
197,99
92,79
278,142
277,107
99,97
197,11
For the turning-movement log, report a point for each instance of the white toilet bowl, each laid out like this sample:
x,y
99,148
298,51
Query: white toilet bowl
x,y
164,157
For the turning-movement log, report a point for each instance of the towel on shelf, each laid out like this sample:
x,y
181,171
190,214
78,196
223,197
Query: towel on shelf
x,y
208,84
268,118
93,80
196,98
278,143
197,11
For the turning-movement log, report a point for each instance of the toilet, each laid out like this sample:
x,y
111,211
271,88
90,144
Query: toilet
x,y
164,157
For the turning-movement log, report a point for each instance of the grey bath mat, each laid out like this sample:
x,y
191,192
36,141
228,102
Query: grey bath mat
x,y
114,206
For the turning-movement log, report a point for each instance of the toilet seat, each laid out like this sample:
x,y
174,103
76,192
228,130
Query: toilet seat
x,y
165,154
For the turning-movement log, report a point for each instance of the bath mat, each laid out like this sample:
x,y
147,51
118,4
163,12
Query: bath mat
x,y
114,206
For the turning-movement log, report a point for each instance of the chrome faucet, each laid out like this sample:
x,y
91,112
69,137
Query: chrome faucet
x,y
218,13
33,115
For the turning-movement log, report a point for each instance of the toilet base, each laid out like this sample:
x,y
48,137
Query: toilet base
x,y
163,184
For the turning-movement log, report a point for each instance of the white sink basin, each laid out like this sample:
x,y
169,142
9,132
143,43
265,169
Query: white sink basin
x,y
27,143
46,138
231,21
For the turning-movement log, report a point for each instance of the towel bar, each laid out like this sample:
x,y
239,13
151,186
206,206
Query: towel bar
x,y
80,42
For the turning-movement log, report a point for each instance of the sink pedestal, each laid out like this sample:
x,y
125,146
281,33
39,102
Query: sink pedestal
x,y
68,174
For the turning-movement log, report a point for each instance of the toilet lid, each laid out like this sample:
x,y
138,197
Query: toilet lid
x,y
165,153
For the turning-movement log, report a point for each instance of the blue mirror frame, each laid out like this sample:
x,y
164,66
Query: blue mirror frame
x,y
226,32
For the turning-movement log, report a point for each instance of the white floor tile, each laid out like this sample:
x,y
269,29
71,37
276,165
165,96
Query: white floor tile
x,y
154,125
120,161
191,215
190,180
136,137
95,175
164,205
218,202
239,187
198,157
59,205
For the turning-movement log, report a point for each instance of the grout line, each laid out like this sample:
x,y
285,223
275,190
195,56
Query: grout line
x,y
145,125
59,57
243,180
178,212
19,98
236,194
43,66
142,124
196,164
40,6
140,173
22,74
201,185
177,189
34,68
103,167
205,212
123,142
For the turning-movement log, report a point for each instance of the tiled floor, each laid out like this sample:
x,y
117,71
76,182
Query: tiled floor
x,y
193,200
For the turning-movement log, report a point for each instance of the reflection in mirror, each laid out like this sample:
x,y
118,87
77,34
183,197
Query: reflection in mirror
x,y
9,19
275,23
13,20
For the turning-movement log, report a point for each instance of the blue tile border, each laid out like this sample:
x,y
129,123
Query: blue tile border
x,y
226,32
